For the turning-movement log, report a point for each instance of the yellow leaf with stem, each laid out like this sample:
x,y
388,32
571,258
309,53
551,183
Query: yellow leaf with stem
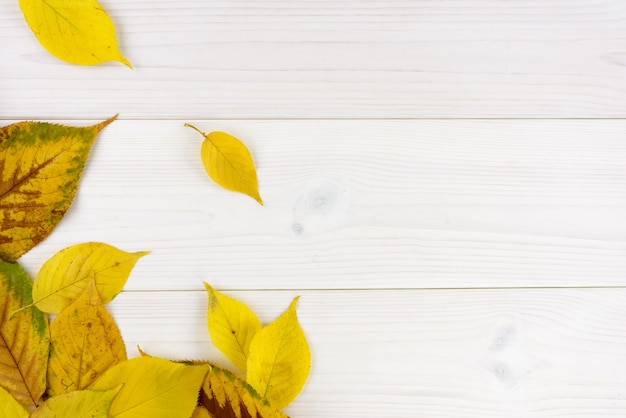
x,y
153,387
64,277
84,343
279,361
40,166
76,31
10,407
232,325
24,341
229,163
78,404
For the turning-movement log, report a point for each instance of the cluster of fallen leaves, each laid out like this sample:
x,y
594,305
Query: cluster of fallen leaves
x,y
76,365
61,352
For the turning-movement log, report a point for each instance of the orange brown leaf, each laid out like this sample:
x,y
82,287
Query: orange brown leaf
x,y
225,395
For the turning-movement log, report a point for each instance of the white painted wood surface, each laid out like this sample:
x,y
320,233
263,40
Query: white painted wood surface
x,y
449,266
333,59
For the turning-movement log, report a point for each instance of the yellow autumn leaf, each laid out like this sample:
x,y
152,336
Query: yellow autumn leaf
x,y
279,360
10,407
229,163
40,166
232,325
24,341
78,404
225,395
153,387
64,277
76,31
84,343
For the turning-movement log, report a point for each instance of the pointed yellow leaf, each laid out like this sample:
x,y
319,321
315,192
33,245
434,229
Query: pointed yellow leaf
x,y
76,31
153,387
279,360
10,407
229,163
225,395
24,341
84,343
64,277
79,404
232,325
40,166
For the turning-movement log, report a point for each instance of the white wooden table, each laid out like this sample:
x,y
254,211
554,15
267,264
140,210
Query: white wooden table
x,y
444,184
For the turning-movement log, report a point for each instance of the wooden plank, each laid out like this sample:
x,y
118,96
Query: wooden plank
x,y
361,204
463,354
332,59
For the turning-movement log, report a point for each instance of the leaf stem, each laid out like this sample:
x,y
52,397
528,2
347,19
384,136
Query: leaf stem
x,y
193,127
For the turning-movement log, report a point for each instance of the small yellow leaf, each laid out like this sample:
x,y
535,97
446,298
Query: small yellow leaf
x,y
76,31
224,395
24,341
84,343
40,166
10,407
229,163
280,360
78,404
153,387
232,325
64,277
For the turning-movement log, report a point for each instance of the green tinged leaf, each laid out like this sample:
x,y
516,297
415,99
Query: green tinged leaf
x,y
24,341
40,166
232,325
78,404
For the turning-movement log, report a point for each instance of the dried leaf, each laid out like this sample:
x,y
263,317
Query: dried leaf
x,y
153,387
40,166
84,343
64,277
77,31
229,163
232,325
224,395
279,360
10,407
79,404
24,339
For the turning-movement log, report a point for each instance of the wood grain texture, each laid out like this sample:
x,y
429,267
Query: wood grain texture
x,y
361,204
451,354
332,59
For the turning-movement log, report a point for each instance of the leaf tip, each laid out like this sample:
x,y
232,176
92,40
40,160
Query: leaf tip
x,y
124,61
140,254
100,126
